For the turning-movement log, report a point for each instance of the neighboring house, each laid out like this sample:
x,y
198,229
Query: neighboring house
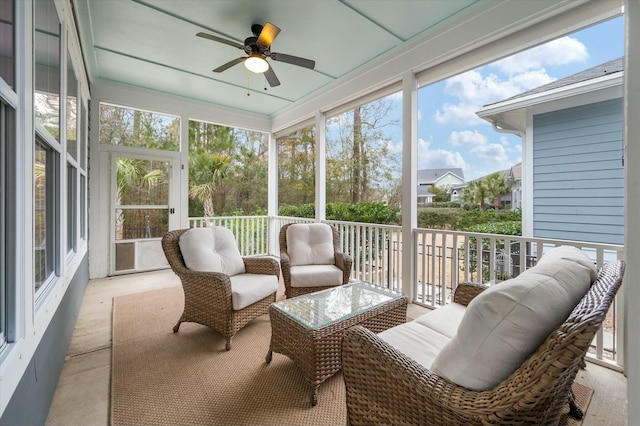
x,y
572,170
443,178
514,178
457,190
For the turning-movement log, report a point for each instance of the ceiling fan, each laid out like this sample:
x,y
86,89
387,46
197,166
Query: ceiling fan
x,y
258,47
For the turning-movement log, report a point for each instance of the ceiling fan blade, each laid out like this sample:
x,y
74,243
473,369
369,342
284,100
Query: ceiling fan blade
x,y
221,40
271,77
295,60
230,64
268,34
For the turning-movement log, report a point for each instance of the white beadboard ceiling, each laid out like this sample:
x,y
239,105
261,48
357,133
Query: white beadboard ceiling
x,y
152,44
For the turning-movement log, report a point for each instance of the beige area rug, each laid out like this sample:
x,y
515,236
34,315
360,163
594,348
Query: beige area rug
x,y
187,378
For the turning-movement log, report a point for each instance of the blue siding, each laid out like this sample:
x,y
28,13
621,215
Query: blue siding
x,y
29,404
578,178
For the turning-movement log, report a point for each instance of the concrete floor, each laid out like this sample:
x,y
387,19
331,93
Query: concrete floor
x,y
82,395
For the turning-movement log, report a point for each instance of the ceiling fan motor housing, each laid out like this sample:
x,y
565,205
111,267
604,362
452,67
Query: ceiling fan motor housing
x,y
251,46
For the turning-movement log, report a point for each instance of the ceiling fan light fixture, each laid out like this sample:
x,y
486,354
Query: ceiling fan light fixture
x,y
256,63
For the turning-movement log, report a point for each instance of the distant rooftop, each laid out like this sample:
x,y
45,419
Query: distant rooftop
x,y
427,176
611,67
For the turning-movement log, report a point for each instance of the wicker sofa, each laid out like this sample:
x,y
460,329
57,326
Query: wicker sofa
x,y
391,377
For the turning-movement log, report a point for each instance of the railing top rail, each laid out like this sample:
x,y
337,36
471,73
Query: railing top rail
x,y
518,238
227,217
377,225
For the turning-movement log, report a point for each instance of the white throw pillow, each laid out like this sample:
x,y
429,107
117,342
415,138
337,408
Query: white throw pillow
x,y
211,249
310,244
507,322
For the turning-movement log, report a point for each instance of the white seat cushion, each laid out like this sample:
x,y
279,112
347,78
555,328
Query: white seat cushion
x,y
211,249
444,320
415,340
506,323
316,276
247,289
310,244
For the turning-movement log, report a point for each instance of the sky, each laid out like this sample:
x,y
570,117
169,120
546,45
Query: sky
x,y
450,134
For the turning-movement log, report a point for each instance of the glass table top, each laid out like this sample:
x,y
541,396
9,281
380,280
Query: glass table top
x,y
316,310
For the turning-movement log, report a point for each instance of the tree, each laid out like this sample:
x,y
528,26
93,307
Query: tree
x,y
360,165
475,194
297,168
440,194
496,186
206,173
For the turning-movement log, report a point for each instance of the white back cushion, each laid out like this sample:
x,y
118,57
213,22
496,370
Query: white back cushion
x,y
506,323
211,249
310,244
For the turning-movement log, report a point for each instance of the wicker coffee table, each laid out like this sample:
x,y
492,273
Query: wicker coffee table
x,y
309,328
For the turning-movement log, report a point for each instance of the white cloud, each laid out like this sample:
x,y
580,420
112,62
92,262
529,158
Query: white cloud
x,y
493,154
438,158
561,51
473,91
467,137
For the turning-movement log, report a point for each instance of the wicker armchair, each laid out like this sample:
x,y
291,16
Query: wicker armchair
x,y
208,295
341,262
386,387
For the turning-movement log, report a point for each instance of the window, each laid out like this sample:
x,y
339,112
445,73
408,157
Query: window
x,y
72,211
45,190
72,110
7,228
7,49
46,165
136,128
46,39
8,143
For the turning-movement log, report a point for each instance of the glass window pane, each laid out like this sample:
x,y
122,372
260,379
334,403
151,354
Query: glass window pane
x,y
7,44
72,213
83,207
46,40
72,109
297,172
44,235
82,136
131,127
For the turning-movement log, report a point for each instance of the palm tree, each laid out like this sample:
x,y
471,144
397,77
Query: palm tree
x,y
496,187
475,194
206,173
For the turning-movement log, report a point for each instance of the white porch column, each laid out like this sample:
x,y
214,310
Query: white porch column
x,y
409,180
632,206
321,166
272,197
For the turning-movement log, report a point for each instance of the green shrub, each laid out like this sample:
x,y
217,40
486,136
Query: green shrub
x,y
364,211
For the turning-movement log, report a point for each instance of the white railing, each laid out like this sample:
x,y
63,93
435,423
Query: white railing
x,y
443,259
251,232
375,250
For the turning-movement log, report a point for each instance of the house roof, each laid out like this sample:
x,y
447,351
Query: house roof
x,y
515,173
431,176
608,68
601,82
